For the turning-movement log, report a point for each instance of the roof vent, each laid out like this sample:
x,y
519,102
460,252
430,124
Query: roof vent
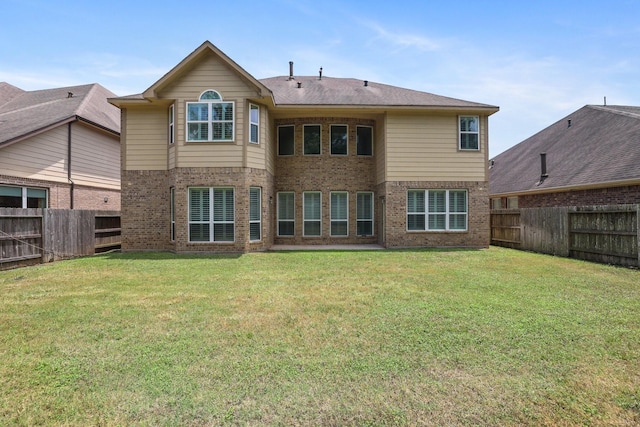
x,y
366,83
299,85
543,167
290,70
320,74
69,94
569,123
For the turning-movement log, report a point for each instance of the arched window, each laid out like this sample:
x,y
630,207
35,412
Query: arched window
x,y
210,119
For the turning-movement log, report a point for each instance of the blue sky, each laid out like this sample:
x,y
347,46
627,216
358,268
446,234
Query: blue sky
x,y
538,61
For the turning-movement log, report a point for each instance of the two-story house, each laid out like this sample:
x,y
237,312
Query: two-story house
x,y
216,160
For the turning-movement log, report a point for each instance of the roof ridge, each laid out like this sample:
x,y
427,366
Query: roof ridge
x,y
85,99
612,109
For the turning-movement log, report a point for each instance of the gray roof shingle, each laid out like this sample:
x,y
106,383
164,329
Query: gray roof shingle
x,y
353,92
602,145
24,113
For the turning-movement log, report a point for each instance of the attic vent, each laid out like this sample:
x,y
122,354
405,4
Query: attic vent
x,y
299,85
69,94
366,83
569,123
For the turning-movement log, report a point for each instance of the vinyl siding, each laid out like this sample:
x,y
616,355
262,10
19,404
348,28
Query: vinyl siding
x,y
95,157
43,157
146,138
425,148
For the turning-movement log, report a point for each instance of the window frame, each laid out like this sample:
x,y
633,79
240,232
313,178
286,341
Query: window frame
x,y
359,219
343,221
429,214
25,196
211,221
346,135
255,210
306,220
171,124
293,140
304,139
358,127
291,220
467,132
210,121
253,124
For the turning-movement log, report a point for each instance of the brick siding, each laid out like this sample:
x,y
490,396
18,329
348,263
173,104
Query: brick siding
x,y
592,197
59,194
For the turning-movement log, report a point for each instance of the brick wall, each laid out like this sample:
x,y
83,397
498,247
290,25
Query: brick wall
x,y
592,197
59,194
395,207
325,173
146,209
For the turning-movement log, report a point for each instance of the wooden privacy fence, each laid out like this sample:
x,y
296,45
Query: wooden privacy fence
x,y
607,234
30,236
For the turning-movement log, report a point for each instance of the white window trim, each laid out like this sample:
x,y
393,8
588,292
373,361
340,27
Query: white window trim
x,y
293,221
256,124
319,142
370,193
331,139
212,222
294,141
172,121
372,141
24,196
210,121
344,220
460,133
447,213
305,220
259,220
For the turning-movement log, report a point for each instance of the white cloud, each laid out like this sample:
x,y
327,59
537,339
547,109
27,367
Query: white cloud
x,y
402,40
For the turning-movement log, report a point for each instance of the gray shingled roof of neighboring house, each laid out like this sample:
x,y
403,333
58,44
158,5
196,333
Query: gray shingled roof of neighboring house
x,y
600,144
25,113
329,91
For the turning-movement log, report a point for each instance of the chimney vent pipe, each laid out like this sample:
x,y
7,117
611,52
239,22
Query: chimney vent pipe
x,y
290,70
543,166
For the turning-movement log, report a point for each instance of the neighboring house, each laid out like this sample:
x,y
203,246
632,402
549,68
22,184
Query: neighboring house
x,y
591,157
59,148
216,160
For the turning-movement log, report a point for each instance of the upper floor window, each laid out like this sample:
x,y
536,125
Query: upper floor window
x,y
469,132
171,127
211,119
364,140
311,139
254,124
286,138
339,139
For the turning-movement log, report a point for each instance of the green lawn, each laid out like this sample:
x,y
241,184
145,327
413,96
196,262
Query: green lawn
x,y
368,338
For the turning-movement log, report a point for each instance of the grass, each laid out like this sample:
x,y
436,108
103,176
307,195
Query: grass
x,y
380,338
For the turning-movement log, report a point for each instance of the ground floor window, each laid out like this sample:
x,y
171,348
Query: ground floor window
x,y
364,213
286,214
255,214
211,215
437,210
339,213
312,213
22,197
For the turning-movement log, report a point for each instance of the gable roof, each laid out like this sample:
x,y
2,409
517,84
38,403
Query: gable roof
x,y
593,146
329,91
314,92
26,113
